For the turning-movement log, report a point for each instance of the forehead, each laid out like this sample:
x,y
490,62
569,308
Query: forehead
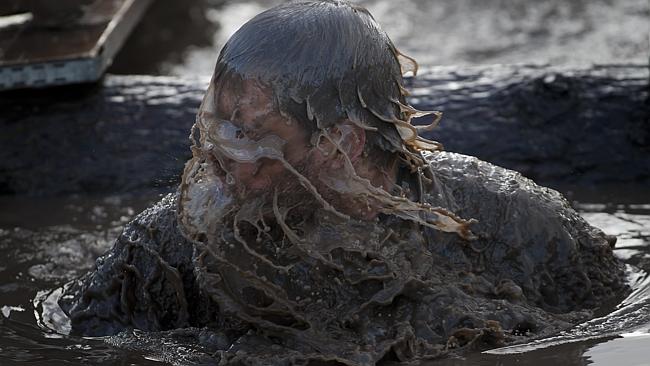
x,y
244,100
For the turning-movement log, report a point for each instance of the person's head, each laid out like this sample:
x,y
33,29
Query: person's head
x,y
306,103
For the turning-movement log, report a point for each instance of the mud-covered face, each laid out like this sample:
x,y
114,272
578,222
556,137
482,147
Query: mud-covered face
x,y
244,151
247,154
249,114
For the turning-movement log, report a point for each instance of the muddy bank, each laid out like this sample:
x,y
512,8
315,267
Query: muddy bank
x,y
129,133
555,125
582,126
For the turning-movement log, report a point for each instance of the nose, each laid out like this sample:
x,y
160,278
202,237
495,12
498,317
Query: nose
x,y
257,176
245,170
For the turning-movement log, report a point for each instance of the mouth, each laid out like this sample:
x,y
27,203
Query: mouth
x,y
220,167
242,179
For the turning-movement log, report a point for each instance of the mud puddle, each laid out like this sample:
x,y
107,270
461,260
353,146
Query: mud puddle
x,y
47,242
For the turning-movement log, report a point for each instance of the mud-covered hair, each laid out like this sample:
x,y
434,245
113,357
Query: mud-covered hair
x,y
327,61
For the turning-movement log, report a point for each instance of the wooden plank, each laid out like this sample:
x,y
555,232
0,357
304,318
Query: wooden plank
x,y
34,55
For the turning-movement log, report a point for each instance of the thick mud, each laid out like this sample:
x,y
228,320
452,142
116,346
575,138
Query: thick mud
x,y
369,291
32,331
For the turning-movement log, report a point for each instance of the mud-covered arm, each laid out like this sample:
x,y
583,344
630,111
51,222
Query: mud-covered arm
x,y
145,281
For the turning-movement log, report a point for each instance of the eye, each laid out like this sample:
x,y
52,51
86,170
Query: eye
x,y
242,133
239,134
255,136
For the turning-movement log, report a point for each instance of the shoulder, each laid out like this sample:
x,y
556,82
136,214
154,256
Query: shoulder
x,y
527,233
470,186
140,279
160,215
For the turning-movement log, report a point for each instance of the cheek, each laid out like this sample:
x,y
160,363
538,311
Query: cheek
x,y
243,172
317,158
297,145
262,177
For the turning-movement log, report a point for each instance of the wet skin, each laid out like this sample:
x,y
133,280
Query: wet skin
x,y
251,109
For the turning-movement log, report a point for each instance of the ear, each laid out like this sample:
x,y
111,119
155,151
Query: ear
x,y
351,138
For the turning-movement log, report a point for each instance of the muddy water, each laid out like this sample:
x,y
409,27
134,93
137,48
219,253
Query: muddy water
x,y
47,242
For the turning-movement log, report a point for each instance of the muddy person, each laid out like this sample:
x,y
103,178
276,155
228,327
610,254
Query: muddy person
x,y
313,223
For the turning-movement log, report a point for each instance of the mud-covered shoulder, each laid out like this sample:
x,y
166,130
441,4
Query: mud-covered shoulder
x,y
529,236
144,281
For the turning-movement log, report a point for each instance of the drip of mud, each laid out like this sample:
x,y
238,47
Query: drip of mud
x,y
44,251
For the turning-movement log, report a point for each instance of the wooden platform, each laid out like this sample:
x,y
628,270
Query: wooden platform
x,y
46,43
